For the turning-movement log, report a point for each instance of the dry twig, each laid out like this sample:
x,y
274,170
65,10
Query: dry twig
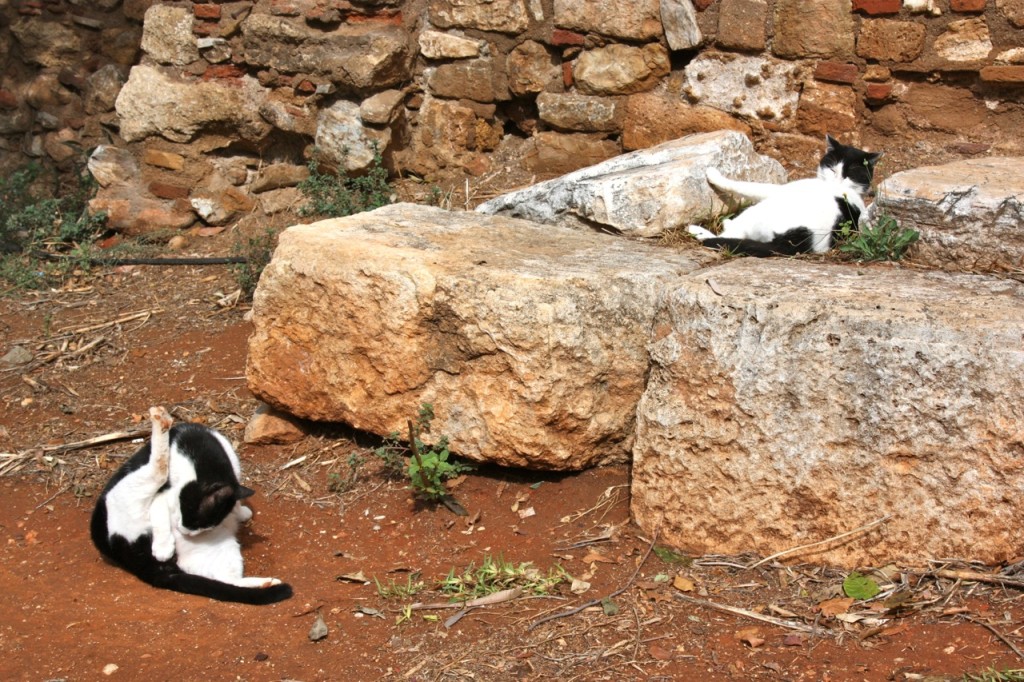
x,y
737,611
794,550
595,602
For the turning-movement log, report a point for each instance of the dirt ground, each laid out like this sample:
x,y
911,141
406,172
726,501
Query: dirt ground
x,y
108,345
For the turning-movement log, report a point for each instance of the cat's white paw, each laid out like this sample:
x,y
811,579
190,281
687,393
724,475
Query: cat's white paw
x,y
242,513
699,232
714,177
163,549
253,581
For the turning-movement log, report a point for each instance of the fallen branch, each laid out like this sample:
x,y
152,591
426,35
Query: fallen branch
x,y
594,602
121,320
998,634
970,576
737,611
493,598
98,440
794,550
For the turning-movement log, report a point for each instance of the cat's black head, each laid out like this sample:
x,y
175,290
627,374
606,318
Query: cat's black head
x,y
204,506
206,500
857,165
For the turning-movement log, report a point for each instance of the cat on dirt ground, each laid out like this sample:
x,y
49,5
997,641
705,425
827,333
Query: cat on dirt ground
x,y
802,216
170,516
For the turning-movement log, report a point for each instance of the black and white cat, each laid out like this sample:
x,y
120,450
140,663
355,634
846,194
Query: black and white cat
x,y
170,516
800,216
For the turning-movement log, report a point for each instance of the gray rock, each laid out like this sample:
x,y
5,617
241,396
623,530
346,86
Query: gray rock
x,y
439,45
680,23
380,109
47,43
970,214
529,340
102,88
621,69
155,103
753,87
583,113
111,165
789,402
355,57
627,19
17,355
167,35
644,192
502,16
343,139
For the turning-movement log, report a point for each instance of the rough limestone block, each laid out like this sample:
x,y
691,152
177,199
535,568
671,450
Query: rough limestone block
x,y
529,340
970,213
642,193
790,402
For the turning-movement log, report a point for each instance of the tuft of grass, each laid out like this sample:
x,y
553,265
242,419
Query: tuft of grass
x,y
495,574
882,240
33,220
256,252
339,483
334,195
993,675
400,590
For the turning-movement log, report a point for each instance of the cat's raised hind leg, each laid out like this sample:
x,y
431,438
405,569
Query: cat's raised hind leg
x,y
160,459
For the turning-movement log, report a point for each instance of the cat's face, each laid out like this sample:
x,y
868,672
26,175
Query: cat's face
x,y
857,164
205,507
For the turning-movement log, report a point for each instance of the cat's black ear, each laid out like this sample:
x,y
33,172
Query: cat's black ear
x,y
830,142
215,498
873,158
244,492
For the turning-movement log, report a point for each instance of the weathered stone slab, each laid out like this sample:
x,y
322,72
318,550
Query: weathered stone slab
x,y
529,340
644,192
970,213
790,402
153,102
628,19
358,57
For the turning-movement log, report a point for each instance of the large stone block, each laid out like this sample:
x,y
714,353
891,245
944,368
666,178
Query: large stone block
x,y
153,102
359,56
753,87
970,213
642,193
789,402
813,28
627,19
530,341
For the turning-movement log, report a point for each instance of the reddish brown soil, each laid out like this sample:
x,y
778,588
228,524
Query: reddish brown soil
x,y
70,615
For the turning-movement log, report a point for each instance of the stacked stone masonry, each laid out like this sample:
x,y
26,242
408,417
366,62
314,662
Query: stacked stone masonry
x,y
438,85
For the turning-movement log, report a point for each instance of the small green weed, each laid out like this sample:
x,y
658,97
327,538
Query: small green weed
x,y
495,574
338,483
392,455
400,590
670,556
336,195
431,464
993,675
883,240
256,252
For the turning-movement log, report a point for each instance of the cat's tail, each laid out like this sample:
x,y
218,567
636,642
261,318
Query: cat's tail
x,y
169,577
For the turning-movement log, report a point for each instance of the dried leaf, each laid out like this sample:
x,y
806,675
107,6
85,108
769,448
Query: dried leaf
x,y
683,584
794,639
833,607
594,556
752,636
659,653
367,611
357,577
610,607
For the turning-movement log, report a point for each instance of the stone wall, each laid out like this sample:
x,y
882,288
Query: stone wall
x,y
210,110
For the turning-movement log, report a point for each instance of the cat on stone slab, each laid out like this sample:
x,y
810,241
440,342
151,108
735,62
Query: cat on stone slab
x,y
802,216
170,516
